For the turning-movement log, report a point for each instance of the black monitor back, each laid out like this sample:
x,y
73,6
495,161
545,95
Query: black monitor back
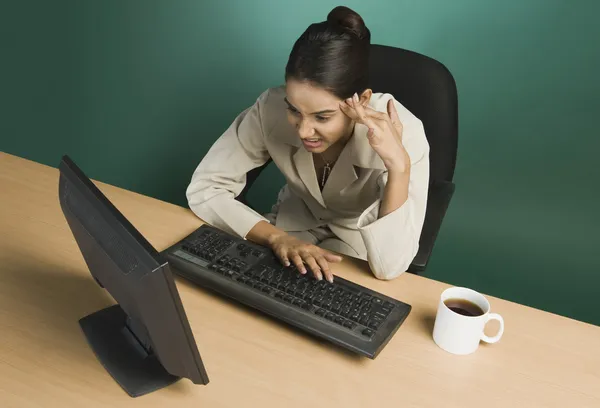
x,y
149,331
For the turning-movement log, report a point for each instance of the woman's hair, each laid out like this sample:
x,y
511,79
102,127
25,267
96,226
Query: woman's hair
x,y
333,54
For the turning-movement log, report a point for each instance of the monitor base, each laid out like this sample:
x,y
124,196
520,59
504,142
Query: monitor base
x,y
136,370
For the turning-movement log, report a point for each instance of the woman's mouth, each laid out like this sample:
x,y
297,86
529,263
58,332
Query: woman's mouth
x,y
312,143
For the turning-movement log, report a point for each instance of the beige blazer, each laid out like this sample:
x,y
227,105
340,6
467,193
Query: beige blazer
x,y
349,202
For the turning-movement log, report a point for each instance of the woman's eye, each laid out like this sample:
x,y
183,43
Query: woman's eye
x,y
322,118
292,110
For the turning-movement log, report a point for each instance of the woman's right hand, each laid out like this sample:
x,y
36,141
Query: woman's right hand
x,y
290,249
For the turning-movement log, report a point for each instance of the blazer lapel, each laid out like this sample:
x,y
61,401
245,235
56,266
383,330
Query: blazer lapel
x,y
305,168
342,175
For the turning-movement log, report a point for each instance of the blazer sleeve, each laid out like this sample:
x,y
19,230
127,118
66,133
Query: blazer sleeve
x,y
392,241
221,175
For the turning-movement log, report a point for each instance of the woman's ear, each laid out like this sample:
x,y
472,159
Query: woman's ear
x,y
365,97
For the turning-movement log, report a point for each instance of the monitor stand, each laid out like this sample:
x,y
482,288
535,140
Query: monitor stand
x,y
117,344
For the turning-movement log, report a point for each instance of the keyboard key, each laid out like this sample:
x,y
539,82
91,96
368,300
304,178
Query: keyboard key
x,y
329,316
320,312
349,324
338,320
373,324
369,333
379,315
377,301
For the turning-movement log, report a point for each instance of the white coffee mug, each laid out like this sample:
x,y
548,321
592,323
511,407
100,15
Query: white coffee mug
x,y
460,334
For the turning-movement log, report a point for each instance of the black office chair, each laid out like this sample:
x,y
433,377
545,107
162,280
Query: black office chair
x,y
427,89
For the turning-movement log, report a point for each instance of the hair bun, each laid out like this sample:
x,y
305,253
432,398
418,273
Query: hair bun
x,y
350,21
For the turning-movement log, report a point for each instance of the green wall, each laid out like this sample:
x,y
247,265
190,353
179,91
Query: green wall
x,y
136,92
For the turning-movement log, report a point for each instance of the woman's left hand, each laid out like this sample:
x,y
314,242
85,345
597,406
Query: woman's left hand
x,y
385,132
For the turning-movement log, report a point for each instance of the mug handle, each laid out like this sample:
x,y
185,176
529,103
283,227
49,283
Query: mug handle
x,y
487,339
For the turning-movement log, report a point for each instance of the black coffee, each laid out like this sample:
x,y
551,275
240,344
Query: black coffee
x,y
463,307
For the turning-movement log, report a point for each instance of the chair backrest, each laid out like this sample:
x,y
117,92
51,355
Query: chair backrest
x,y
427,89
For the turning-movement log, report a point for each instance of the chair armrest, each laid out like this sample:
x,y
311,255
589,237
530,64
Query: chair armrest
x,y
439,196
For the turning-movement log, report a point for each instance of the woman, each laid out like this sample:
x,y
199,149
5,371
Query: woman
x,y
356,163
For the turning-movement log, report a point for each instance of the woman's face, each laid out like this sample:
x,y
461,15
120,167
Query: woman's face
x,y
316,115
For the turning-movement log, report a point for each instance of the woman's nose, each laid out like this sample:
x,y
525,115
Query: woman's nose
x,y
305,130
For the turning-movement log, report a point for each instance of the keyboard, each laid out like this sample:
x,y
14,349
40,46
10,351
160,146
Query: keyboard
x,y
344,313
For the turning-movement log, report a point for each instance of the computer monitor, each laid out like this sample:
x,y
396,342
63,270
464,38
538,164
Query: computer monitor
x,y
144,341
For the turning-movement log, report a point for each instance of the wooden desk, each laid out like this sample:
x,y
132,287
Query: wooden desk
x,y
45,287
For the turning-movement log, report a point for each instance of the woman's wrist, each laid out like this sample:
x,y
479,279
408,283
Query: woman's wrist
x,y
399,164
264,233
274,236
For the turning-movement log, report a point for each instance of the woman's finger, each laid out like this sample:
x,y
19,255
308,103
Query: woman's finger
x,y
297,260
283,257
330,256
348,110
380,119
324,265
312,264
352,114
393,114
281,253
361,115
372,113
